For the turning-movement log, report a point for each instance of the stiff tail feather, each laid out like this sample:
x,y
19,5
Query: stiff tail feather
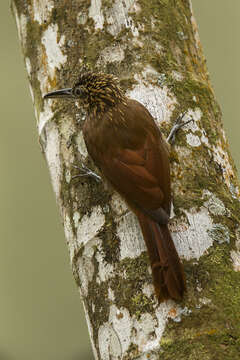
x,y
168,274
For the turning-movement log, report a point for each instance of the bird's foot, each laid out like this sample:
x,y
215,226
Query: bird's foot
x,y
85,171
178,124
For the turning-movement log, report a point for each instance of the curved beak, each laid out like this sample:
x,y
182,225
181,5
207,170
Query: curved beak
x,y
62,93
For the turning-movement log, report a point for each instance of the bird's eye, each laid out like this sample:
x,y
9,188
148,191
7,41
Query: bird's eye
x,y
77,92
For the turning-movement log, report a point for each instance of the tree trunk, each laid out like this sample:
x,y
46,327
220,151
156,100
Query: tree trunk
x,y
154,49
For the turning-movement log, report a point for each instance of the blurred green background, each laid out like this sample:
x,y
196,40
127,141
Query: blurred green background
x,y
41,315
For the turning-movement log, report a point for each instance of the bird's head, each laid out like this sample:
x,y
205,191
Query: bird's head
x,y
92,90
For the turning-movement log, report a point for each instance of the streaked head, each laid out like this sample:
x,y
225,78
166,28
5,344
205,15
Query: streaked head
x,y
92,90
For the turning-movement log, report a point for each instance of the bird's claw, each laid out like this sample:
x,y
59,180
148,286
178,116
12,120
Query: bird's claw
x,y
85,171
178,124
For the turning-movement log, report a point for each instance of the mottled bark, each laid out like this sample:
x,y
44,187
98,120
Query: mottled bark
x,y
154,49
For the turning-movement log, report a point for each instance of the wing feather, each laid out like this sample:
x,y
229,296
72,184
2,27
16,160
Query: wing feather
x,y
137,176
136,162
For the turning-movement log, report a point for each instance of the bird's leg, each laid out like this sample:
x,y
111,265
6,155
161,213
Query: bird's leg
x,y
85,171
178,124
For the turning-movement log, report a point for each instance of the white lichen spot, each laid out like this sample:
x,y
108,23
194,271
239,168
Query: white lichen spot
x,y
193,126
134,6
106,209
205,301
181,35
234,190
89,226
176,312
213,204
95,12
81,144
67,129
162,79
85,265
55,56
204,139
157,100
42,10
130,235
68,176
219,233
52,153
186,311
117,18
81,18
111,54
76,217
118,204
121,322
161,315
111,295
108,342
198,286
193,140
105,270
151,75
177,75
195,114
193,239
222,159
145,332
148,290
44,117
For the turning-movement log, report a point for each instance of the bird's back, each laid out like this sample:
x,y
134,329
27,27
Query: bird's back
x,y
127,146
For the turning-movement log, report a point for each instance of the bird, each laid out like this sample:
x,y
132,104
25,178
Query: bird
x,y
131,153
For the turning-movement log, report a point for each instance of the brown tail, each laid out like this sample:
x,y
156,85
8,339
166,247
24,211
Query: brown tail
x,y
168,275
